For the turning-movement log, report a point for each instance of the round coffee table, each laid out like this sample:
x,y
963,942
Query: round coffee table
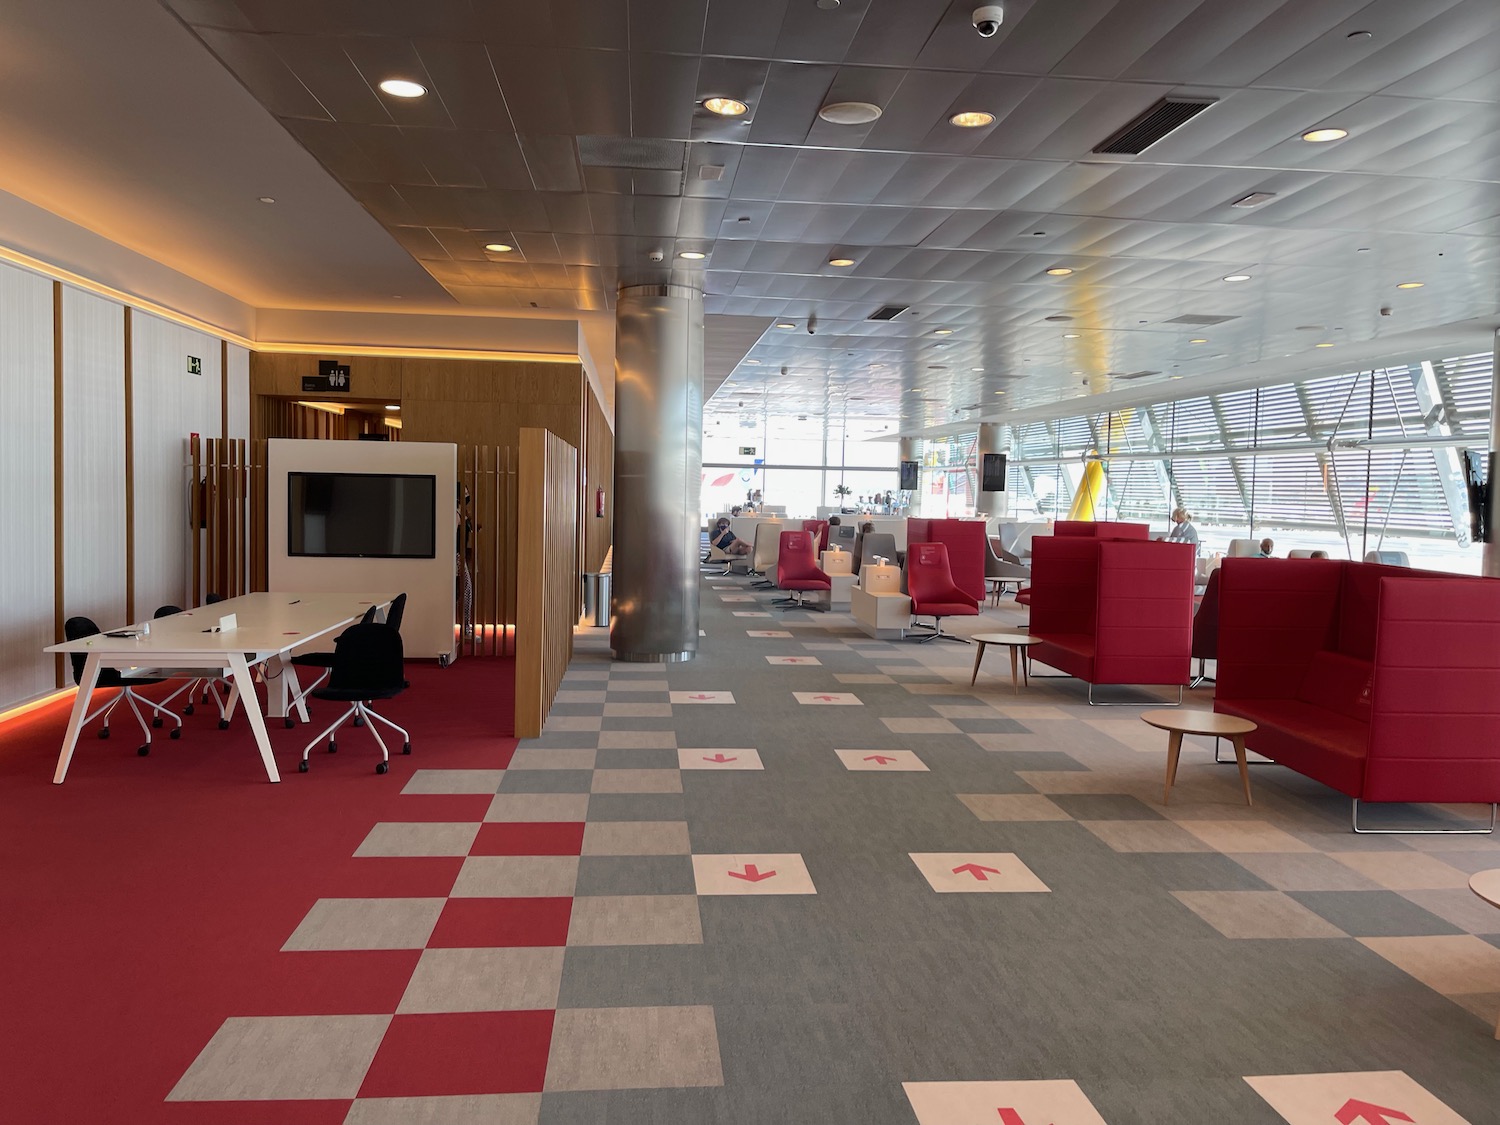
x,y
1486,884
1178,723
1016,642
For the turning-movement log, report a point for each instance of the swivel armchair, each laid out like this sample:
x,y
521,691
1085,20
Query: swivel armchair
x,y
797,570
76,628
933,592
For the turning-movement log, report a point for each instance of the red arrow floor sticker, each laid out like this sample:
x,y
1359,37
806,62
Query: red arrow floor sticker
x,y
1374,1097
1010,1117
712,758
1047,1102
753,874
973,873
719,759
977,870
885,761
879,759
783,874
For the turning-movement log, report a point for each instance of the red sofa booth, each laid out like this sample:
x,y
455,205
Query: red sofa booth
x,y
1113,611
965,540
1379,681
1101,529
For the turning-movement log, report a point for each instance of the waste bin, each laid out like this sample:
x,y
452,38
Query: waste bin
x,y
589,584
601,599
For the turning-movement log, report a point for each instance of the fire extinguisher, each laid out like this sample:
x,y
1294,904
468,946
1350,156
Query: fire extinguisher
x,y
599,503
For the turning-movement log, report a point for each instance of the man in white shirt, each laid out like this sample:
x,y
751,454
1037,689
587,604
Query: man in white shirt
x,y
1183,530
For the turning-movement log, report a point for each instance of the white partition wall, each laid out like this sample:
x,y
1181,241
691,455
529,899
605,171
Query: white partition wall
x,y
93,508
427,629
26,497
237,385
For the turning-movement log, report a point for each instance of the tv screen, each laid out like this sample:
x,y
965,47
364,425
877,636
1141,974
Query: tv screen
x,y
994,472
361,516
909,476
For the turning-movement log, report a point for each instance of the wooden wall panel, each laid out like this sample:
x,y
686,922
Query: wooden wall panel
x,y
372,378
27,560
476,402
547,568
598,472
93,478
168,404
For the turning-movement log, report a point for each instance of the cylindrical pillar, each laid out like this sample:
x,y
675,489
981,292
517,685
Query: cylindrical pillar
x,y
1491,564
658,471
911,448
988,504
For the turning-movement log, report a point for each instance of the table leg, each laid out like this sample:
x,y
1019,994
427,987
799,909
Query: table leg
x,y
1174,750
1239,756
75,720
1026,666
978,656
1015,683
241,671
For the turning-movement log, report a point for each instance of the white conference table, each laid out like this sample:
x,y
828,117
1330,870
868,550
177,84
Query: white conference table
x,y
268,627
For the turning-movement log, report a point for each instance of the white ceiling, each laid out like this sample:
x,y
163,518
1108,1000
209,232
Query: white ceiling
x,y
120,119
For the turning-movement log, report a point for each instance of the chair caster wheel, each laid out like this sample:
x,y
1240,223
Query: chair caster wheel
x,y
176,733
302,766
382,767
104,733
223,724
142,751
359,720
406,748
289,722
188,710
333,747
156,722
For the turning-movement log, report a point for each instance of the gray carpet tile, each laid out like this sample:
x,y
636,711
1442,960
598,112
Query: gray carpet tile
x,y
635,875
1374,913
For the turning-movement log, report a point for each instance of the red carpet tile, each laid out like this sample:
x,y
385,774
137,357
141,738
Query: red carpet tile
x,y
147,899
485,923
461,1053
534,838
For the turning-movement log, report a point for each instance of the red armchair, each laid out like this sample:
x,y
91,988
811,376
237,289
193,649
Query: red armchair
x,y
1206,630
1379,681
967,549
933,592
1113,611
797,570
819,529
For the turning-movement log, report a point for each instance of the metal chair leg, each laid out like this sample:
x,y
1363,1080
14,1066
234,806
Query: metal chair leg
x,y
1131,703
1421,831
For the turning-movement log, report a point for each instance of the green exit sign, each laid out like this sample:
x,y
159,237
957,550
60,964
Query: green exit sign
x,y
195,365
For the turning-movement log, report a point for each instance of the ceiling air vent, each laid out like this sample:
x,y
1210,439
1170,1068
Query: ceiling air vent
x,y
1154,124
641,153
1121,377
888,312
1199,319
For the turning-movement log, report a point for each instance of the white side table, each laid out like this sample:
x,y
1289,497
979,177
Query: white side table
x,y
884,616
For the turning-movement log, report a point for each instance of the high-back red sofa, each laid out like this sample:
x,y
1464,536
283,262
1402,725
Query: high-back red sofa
x,y
1379,681
1113,611
1102,529
966,549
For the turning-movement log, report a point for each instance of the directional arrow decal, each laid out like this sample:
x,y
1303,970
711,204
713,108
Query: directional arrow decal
x,y
1010,1117
1356,1110
751,874
878,759
824,698
720,758
978,871
700,695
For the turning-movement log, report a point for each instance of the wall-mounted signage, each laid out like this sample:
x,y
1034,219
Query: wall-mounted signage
x,y
195,365
331,376
747,451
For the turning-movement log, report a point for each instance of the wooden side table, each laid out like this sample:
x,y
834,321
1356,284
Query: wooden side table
x,y
1017,643
1209,723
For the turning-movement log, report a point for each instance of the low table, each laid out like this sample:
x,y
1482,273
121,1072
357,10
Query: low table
x,y
1486,884
1017,643
1210,723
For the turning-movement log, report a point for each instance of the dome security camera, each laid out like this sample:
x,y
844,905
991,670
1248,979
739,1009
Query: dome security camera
x,y
987,20
656,255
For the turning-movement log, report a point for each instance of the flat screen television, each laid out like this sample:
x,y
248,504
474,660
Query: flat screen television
x,y
994,473
909,476
361,516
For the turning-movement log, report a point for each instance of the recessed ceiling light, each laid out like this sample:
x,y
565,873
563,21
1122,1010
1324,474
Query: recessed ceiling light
x,y
840,261
753,362
402,88
393,408
999,392
725,107
498,247
268,199
1070,335
1320,136
943,332
786,324
1059,271
1254,199
1323,345
1359,35
692,255
1078,373
1411,285
1238,277
850,113
976,369
1198,340
972,119
1174,376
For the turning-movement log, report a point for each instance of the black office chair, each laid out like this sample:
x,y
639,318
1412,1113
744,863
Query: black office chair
x,y
367,666
76,628
200,687
323,661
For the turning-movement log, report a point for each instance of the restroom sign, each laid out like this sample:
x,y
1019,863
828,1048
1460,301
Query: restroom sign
x,y
332,376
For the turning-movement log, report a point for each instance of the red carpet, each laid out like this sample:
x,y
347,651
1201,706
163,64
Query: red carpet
x,y
147,899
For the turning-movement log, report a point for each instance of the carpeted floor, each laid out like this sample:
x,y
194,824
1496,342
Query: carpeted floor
x,y
696,900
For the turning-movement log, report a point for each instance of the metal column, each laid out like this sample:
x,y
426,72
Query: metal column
x,y
658,470
988,504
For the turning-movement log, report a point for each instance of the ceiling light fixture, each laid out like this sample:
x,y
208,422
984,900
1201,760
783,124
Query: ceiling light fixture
x,y
1070,335
850,113
692,255
1059,271
1323,345
1254,199
1411,285
498,247
403,88
840,261
786,324
943,332
393,408
976,369
725,107
1322,136
972,119
268,199
1238,277
1198,340
753,362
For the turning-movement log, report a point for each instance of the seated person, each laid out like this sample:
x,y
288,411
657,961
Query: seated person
x,y
1319,554
726,540
865,528
1266,547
